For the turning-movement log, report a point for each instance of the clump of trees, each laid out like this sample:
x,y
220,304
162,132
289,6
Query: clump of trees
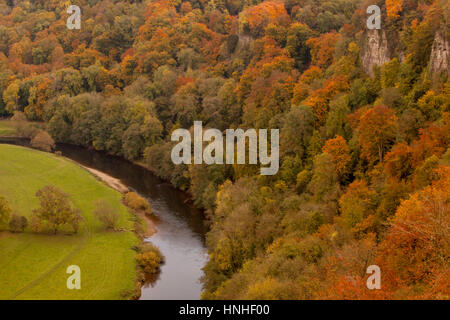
x,y
150,258
18,223
22,127
55,211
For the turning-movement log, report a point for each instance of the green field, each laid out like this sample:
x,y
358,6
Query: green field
x,y
33,266
5,128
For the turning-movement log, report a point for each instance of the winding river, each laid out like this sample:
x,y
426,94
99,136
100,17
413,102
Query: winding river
x,y
181,231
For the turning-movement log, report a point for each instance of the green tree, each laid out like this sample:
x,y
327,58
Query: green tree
x,y
55,209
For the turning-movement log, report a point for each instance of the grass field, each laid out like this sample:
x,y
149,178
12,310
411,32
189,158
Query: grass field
x,y
5,128
33,266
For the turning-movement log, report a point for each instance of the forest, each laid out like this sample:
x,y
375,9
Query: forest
x,y
364,120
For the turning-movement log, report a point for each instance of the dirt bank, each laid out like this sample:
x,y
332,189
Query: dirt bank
x,y
110,181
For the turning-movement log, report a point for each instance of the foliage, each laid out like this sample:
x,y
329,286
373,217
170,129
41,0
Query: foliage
x,y
353,148
138,203
43,141
150,259
106,214
55,209
18,223
103,255
5,211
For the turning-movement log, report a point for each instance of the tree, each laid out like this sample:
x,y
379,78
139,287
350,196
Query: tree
x,y
297,36
393,7
322,48
340,155
133,142
324,182
55,209
106,214
415,253
297,130
23,128
43,141
150,259
377,129
256,18
5,211
18,223
137,203
11,96
398,162
356,204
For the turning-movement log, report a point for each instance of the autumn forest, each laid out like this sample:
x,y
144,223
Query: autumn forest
x,y
363,116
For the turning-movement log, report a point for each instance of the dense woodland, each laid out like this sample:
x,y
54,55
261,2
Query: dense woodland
x,y
364,171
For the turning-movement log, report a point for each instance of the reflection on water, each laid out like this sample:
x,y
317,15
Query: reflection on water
x,y
181,231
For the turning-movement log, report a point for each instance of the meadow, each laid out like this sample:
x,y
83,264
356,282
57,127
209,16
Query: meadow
x,y
33,266
6,128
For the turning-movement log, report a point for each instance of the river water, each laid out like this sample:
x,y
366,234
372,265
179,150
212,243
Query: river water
x,y
181,230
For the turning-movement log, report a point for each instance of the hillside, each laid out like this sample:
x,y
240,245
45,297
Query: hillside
x,y
364,120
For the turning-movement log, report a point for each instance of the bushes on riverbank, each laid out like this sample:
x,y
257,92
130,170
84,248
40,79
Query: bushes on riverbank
x,y
150,258
137,203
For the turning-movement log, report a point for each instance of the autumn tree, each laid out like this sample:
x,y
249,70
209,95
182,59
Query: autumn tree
x,y
377,129
340,155
416,250
356,204
43,141
137,202
256,18
393,8
150,259
55,209
322,48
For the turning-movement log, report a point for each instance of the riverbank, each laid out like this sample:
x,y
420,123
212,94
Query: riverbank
x,y
34,265
149,228
181,228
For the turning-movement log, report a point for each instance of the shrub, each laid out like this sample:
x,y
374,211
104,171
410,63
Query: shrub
x,y
150,259
43,141
22,126
136,202
18,223
5,211
107,215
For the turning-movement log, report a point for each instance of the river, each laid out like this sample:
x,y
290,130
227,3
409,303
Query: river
x,y
181,230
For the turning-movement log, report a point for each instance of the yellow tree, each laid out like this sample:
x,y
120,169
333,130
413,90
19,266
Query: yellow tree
x,y
377,129
340,154
416,251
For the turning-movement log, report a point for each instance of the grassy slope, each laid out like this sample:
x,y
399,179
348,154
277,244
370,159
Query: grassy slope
x,y
5,128
33,266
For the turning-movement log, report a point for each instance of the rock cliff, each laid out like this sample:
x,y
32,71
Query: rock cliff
x,y
376,51
439,59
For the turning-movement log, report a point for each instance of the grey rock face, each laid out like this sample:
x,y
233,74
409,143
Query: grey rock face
x,y
376,52
439,60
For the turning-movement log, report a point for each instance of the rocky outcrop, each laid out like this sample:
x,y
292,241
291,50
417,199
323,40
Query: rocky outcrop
x,y
376,51
439,60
